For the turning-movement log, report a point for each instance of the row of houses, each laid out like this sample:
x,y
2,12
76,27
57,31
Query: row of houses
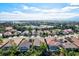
x,y
24,43
21,42
10,32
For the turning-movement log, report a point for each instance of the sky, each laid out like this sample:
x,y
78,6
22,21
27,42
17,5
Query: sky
x,y
39,11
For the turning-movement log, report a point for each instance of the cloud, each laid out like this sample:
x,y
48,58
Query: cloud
x,y
41,9
42,14
25,7
36,16
52,10
75,3
31,8
69,8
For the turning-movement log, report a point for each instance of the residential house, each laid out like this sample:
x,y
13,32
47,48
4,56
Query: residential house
x,y
4,42
67,31
75,41
7,34
8,28
24,45
25,33
9,44
53,44
37,42
68,45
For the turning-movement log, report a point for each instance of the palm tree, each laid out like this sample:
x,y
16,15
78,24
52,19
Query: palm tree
x,y
62,51
30,30
1,52
36,52
13,50
1,41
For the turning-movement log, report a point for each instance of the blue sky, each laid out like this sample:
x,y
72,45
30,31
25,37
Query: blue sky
x,y
38,11
8,7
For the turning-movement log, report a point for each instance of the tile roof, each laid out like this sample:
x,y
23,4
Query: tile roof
x,y
52,41
9,43
69,45
8,33
37,42
8,28
17,40
76,41
40,38
4,42
24,43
